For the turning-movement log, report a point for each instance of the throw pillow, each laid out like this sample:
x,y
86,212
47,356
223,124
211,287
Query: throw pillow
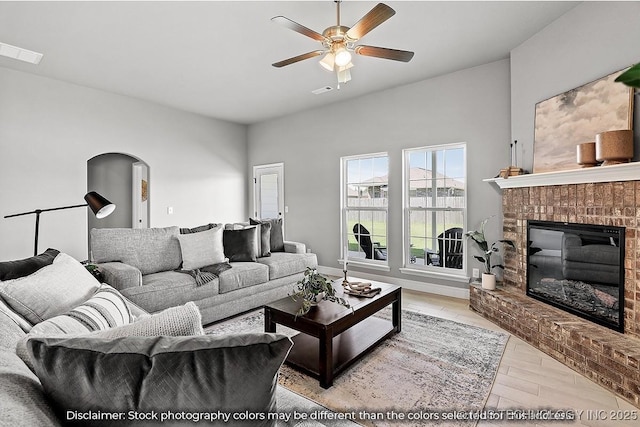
x,y
264,239
241,245
277,235
106,309
17,319
201,249
231,373
24,267
50,291
178,321
199,228
264,235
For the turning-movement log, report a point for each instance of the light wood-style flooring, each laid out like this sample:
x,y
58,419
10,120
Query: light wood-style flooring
x,y
529,379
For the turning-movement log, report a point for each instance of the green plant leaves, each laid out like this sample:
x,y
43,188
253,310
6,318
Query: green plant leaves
x,y
631,77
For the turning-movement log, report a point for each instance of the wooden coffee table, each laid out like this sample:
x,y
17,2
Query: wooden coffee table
x,y
334,337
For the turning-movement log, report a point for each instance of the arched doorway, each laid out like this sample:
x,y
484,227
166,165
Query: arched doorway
x,y
124,180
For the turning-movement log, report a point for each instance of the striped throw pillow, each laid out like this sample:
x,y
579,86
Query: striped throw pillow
x,y
106,309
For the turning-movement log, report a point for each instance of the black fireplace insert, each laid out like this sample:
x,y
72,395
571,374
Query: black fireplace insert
x,y
578,268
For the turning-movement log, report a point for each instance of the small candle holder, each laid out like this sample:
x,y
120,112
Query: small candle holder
x,y
345,282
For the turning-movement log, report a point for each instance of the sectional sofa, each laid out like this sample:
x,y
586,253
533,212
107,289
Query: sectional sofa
x,y
74,349
157,268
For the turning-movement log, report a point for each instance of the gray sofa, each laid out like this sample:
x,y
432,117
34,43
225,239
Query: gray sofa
x,y
24,401
143,265
590,262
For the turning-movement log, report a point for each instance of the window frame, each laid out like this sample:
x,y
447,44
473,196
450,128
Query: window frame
x,y
428,270
345,209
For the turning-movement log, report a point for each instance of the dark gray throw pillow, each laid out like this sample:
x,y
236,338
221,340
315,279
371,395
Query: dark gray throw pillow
x,y
24,267
277,235
264,239
241,245
195,374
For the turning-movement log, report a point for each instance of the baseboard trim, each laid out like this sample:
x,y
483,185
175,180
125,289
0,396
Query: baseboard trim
x,y
431,288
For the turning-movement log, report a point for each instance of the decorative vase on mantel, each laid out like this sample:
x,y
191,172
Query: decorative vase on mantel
x,y
488,281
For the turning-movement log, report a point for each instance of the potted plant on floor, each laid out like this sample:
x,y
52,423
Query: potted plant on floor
x,y
312,289
488,278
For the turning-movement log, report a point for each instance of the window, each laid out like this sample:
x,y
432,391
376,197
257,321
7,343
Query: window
x,y
365,188
435,208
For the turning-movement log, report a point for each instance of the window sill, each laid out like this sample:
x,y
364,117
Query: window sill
x,y
368,265
435,275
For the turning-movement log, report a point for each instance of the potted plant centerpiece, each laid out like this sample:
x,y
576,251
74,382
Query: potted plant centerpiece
x,y
488,278
312,289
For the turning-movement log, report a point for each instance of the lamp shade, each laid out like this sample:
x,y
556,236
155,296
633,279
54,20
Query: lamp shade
x,y
100,206
328,61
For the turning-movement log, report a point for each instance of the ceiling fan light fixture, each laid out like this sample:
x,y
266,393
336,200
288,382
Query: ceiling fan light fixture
x,y
328,61
342,56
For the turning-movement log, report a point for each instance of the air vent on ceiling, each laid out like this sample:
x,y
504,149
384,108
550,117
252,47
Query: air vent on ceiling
x,y
322,90
19,53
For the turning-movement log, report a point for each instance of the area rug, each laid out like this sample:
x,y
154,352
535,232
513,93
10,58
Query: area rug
x,y
436,371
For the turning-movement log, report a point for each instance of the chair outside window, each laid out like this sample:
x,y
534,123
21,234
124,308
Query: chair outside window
x,y
372,250
449,249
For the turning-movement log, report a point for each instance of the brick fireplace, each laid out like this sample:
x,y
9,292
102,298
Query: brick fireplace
x,y
602,196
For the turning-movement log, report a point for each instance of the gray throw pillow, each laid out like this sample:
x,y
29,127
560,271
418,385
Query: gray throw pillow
x,y
201,249
277,234
241,245
51,290
231,373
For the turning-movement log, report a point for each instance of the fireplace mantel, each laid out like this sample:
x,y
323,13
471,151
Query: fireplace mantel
x,y
613,173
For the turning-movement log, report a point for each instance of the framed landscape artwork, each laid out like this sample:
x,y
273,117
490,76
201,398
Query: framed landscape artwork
x,y
576,116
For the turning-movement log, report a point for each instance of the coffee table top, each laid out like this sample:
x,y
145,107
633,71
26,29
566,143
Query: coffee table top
x,y
327,312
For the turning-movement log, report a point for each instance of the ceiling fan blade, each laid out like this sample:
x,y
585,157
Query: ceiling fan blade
x,y
384,53
298,58
298,28
376,16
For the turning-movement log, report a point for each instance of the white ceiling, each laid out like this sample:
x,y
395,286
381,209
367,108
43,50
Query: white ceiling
x,y
214,58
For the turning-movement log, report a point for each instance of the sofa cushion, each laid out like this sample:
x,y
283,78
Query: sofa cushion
x,y
201,249
24,267
17,319
282,264
23,402
50,291
242,275
241,245
168,289
277,233
143,374
150,250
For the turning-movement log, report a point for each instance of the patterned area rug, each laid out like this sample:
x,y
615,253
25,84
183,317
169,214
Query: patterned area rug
x,y
434,371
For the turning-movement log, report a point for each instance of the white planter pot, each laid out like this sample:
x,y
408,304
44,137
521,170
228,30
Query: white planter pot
x,y
488,281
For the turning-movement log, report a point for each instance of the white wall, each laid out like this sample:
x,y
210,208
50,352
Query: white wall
x,y
590,41
470,105
48,131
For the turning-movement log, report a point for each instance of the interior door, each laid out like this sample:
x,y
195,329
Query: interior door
x,y
269,191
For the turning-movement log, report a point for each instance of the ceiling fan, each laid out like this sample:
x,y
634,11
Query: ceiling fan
x,y
339,41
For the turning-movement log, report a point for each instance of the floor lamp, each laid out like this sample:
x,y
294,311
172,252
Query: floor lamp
x,y
100,206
